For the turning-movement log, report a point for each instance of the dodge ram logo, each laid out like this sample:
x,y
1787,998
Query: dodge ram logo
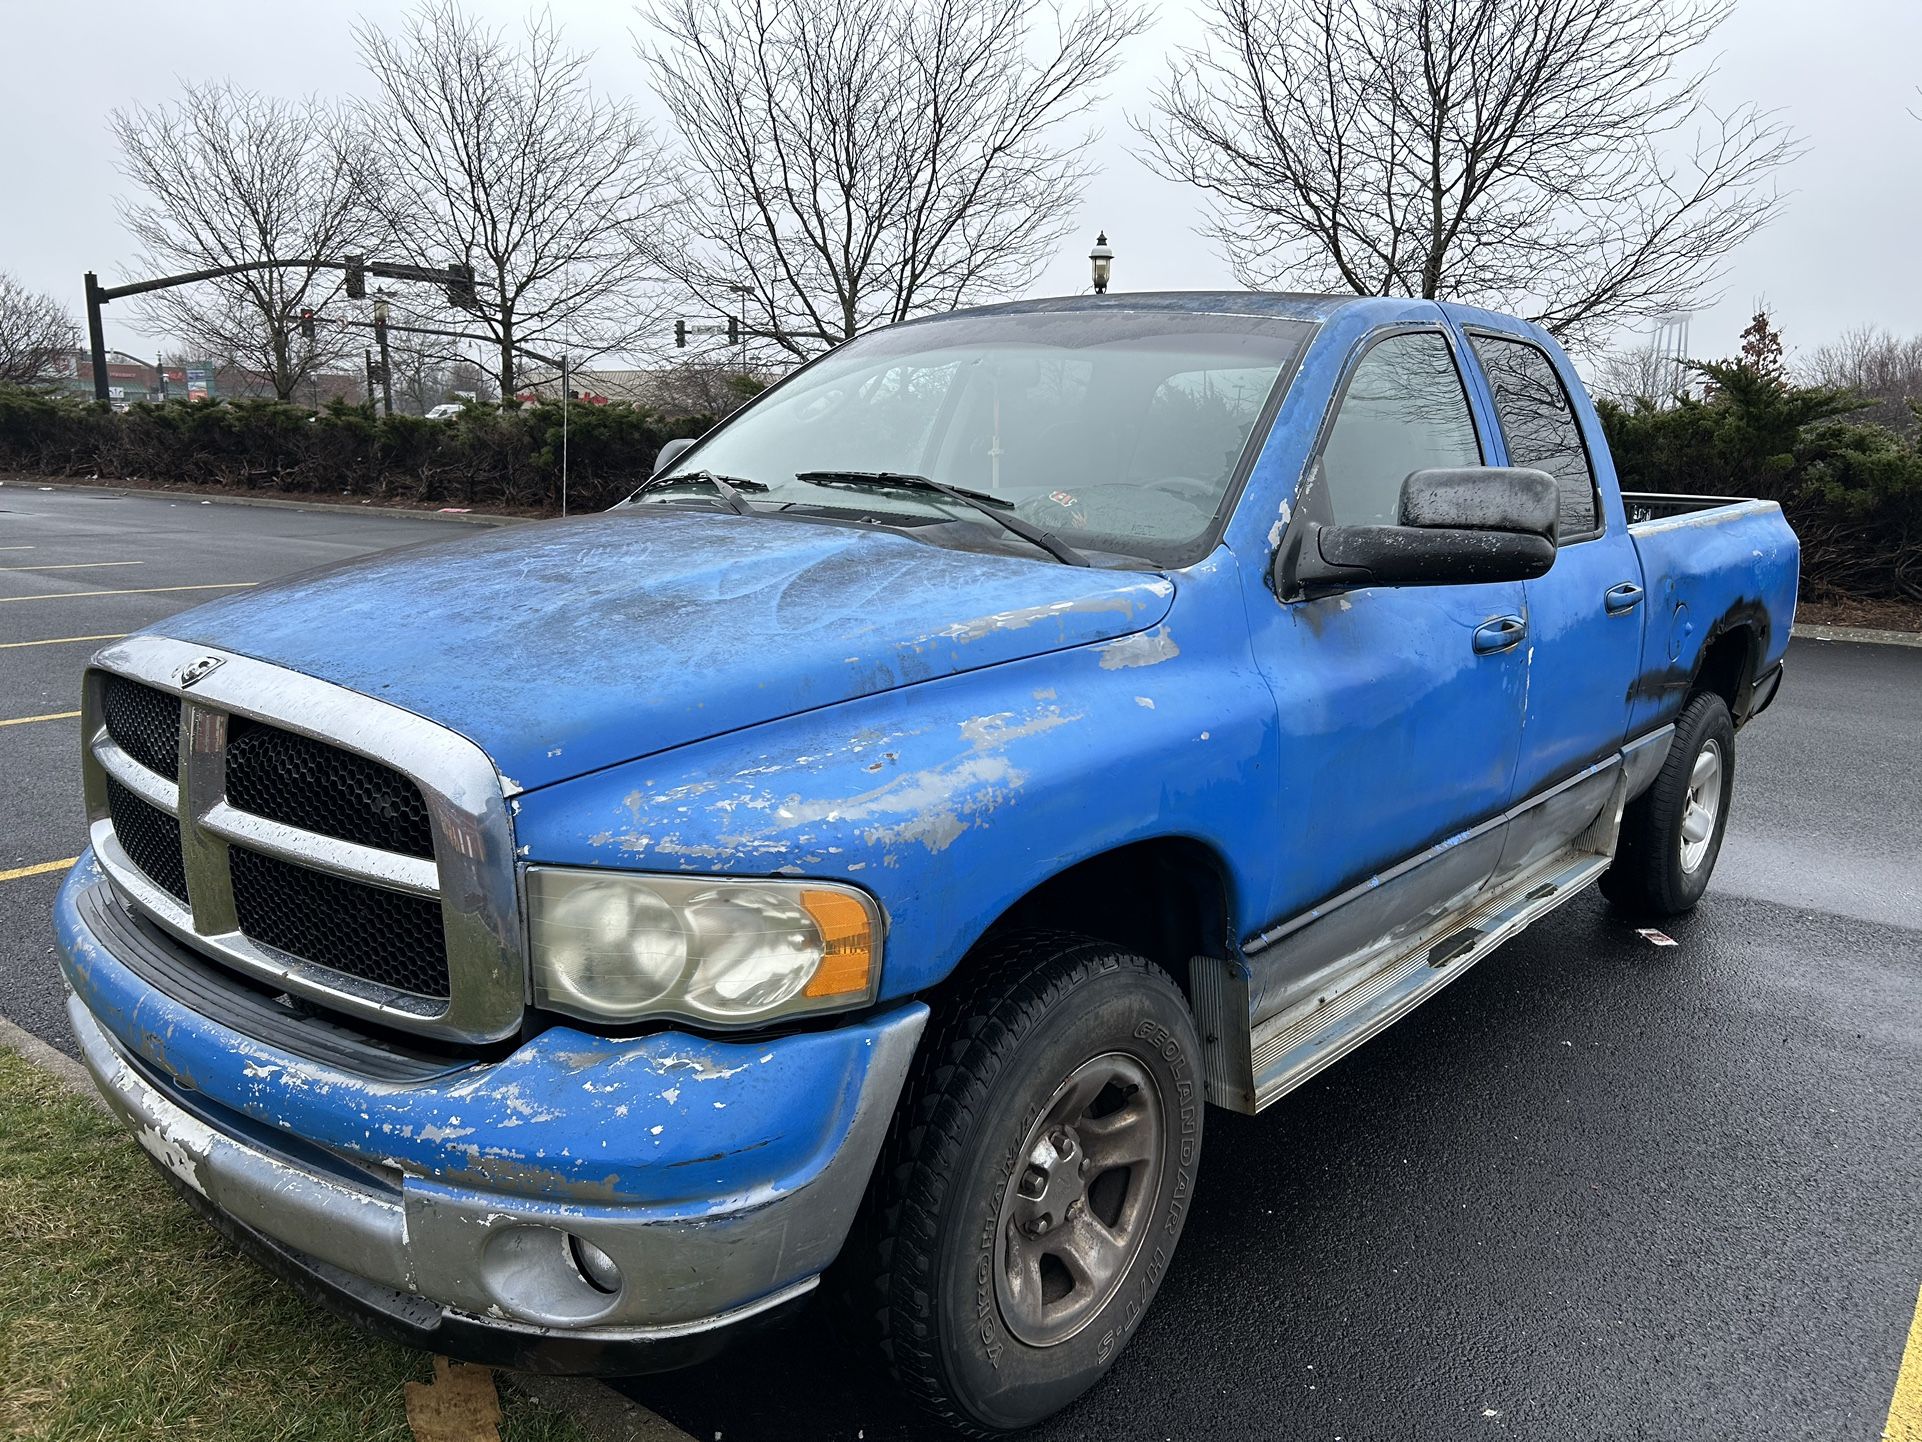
x,y
194,670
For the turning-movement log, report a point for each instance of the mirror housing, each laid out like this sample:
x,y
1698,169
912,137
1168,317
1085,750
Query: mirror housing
x,y
671,452
1458,526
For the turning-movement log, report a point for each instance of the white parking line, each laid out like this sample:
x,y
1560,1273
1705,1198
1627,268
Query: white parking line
x,y
61,640
73,566
134,591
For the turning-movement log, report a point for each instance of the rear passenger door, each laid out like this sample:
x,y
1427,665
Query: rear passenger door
x,y
1585,615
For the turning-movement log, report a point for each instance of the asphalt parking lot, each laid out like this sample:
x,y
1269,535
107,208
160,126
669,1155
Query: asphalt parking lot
x,y
1597,1189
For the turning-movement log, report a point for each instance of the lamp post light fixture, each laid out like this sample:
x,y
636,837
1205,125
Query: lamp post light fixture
x,y
1102,257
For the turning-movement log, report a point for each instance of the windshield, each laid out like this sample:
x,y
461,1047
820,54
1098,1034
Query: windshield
x,y
1120,432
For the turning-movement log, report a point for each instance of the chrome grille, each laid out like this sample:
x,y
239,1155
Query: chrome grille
x,y
379,936
151,839
145,723
323,841
294,779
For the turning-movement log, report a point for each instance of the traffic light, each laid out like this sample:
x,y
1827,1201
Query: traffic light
x,y
680,334
306,324
356,277
460,287
734,330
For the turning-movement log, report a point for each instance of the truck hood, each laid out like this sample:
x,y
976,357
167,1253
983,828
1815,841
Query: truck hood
x,y
568,646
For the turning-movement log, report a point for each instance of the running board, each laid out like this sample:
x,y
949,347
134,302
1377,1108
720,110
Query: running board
x,y
1252,1063
1293,1052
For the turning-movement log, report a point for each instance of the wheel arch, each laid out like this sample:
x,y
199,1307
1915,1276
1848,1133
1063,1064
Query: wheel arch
x,y
1727,666
1123,895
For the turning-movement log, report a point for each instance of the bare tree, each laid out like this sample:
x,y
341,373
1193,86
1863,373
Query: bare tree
x,y
1636,373
420,373
467,381
1877,365
35,333
849,164
232,177
1549,157
499,154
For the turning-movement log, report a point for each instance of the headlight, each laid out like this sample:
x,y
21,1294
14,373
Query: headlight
x,y
617,946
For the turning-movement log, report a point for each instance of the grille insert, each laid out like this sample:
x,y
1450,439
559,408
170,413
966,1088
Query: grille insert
x,y
298,781
150,837
380,936
145,724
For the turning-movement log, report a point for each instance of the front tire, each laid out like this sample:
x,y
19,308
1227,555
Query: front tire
x,y
1035,1182
1672,833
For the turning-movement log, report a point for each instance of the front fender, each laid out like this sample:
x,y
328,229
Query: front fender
x,y
950,800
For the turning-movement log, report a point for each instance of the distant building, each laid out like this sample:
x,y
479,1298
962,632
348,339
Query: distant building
x,y
130,380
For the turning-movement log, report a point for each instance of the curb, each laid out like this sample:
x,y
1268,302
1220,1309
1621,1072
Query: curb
x,y
596,1408
57,1064
1864,635
333,507
603,1414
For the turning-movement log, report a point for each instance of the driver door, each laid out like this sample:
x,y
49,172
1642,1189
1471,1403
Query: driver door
x,y
1400,707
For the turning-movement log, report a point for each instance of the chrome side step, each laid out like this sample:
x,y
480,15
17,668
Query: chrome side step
x,y
1288,1051
1270,1021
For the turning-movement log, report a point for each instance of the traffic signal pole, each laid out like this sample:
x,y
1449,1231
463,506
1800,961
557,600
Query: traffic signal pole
x,y
96,337
457,279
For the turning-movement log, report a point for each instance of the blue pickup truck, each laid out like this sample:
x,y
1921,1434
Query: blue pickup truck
x,y
860,856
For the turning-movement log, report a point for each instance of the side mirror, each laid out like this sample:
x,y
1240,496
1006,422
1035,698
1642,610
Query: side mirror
x,y
1459,525
671,452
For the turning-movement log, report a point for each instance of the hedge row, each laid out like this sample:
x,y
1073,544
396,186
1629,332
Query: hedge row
x,y
1852,490
485,457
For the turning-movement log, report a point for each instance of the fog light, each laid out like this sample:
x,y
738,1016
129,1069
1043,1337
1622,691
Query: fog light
x,y
594,1264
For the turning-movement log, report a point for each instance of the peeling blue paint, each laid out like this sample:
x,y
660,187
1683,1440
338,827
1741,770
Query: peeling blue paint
x,y
568,1117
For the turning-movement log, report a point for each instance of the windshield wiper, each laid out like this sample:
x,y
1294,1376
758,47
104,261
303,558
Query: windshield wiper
x,y
993,507
728,488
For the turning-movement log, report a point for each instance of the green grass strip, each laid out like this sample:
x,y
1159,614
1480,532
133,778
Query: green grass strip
x,y
122,1315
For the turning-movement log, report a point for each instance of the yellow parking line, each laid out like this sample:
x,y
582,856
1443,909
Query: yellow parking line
x,y
136,591
60,641
1905,1412
40,870
73,566
50,716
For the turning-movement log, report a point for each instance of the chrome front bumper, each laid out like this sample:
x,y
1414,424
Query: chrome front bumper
x,y
483,1260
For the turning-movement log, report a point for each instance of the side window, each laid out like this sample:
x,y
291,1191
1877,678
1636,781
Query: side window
x,y
1404,410
1539,424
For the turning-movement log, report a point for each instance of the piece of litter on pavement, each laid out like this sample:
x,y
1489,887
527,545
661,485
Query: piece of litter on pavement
x,y
455,510
1654,937
459,1405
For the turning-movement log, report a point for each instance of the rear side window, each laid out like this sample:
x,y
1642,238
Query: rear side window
x,y
1539,423
1404,410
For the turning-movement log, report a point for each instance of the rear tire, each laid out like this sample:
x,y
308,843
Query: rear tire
x,y
1672,833
1035,1182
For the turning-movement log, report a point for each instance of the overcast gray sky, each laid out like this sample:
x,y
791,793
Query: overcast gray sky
x,y
1844,72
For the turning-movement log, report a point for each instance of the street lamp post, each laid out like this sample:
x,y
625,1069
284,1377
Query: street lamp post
x,y
380,335
1102,259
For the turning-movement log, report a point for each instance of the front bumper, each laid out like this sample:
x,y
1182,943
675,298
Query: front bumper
x,y
719,1178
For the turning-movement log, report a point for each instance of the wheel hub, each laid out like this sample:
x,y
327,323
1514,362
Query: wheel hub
x,y
1701,807
1074,1215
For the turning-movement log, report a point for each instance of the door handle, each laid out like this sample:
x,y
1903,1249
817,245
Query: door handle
x,y
1623,598
1499,633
